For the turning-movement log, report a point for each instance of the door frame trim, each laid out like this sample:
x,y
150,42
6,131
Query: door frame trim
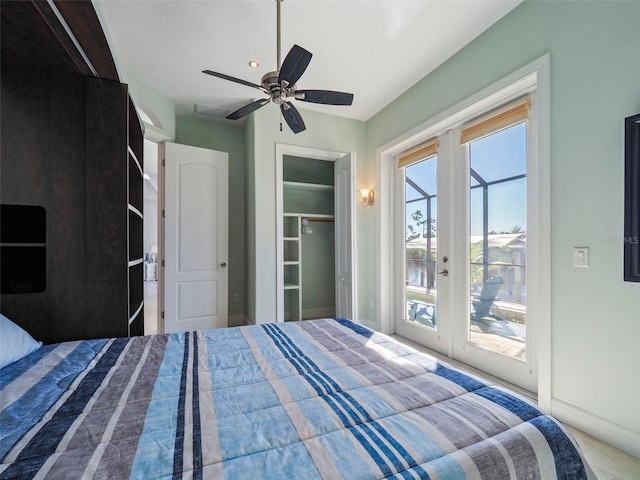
x,y
283,149
159,138
511,86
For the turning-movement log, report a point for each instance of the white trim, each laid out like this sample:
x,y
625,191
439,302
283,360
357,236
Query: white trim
x,y
151,133
532,77
609,432
310,215
306,187
385,238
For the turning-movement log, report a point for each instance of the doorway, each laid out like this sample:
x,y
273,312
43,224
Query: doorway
x,y
469,278
196,234
151,237
463,211
315,214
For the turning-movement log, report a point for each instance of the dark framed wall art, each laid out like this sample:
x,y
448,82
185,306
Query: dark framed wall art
x,y
632,200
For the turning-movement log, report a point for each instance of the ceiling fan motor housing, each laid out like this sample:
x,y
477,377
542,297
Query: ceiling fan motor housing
x,y
281,84
277,92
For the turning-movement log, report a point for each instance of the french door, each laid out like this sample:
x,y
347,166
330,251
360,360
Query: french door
x,y
463,210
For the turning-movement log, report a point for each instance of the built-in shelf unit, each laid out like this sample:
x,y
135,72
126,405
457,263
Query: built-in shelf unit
x,y
308,193
71,177
292,273
136,218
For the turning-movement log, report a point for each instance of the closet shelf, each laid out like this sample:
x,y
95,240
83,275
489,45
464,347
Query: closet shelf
x,y
292,263
135,210
133,317
304,188
135,159
312,215
291,239
291,286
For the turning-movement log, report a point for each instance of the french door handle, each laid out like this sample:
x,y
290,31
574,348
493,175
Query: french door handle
x,y
444,272
223,264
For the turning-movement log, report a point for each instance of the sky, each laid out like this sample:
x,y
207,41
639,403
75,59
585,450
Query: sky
x,y
497,156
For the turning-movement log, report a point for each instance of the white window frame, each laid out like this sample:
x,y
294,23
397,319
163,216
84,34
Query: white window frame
x,y
534,76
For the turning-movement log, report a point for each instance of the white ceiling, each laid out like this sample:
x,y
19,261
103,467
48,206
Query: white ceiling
x,y
374,49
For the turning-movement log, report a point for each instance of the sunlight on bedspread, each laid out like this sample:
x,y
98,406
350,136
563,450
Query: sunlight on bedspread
x,y
314,399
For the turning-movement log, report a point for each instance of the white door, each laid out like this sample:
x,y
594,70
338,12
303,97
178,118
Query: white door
x,y
196,238
467,259
344,174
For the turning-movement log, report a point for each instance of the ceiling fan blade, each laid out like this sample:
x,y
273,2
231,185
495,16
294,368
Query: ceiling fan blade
x,y
326,97
233,79
247,109
293,118
294,65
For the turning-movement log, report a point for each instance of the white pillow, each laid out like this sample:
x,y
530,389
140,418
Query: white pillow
x,y
15,343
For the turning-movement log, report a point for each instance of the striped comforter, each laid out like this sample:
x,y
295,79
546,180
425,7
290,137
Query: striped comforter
x,y
314,399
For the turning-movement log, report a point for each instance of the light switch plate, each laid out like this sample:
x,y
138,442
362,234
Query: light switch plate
x,y
580,256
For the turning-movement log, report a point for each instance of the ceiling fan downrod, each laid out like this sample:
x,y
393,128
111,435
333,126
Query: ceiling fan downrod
x,y
278,34
280,86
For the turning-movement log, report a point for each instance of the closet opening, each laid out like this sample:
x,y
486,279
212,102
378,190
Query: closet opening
x,y
309,242
315,214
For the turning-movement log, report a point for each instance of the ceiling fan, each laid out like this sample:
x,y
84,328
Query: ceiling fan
x,y
280,86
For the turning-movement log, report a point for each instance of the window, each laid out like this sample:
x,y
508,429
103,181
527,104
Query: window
x,y
421,207
497,242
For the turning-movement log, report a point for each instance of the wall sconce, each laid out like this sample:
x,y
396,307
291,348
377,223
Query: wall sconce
x,y
367,197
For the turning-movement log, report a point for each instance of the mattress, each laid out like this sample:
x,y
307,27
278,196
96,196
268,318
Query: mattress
x,y
324,398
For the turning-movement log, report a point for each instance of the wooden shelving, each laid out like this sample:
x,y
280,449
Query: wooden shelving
x,y
307,193
136,218
72,145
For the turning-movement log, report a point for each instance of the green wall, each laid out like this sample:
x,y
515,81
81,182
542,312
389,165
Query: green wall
x,y
324,132
595,84
231,139
318,270
250,185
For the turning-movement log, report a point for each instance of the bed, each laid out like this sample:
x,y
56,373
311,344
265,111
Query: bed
x,y
324,398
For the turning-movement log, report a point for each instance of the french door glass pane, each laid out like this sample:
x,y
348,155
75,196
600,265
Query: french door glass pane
x,y
421,206
498,241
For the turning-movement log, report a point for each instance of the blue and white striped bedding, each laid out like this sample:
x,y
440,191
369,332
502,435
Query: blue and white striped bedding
x,y
315,399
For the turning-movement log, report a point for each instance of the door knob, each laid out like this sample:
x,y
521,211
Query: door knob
x,y
444,272
223,264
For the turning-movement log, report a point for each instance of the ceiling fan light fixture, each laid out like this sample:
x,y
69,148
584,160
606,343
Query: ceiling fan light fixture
x,y
280,85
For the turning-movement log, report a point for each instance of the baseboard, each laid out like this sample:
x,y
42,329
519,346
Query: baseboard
x,y
609,432
323,312
237,320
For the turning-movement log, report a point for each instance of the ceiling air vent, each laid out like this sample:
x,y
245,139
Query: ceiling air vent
x,y
211,111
